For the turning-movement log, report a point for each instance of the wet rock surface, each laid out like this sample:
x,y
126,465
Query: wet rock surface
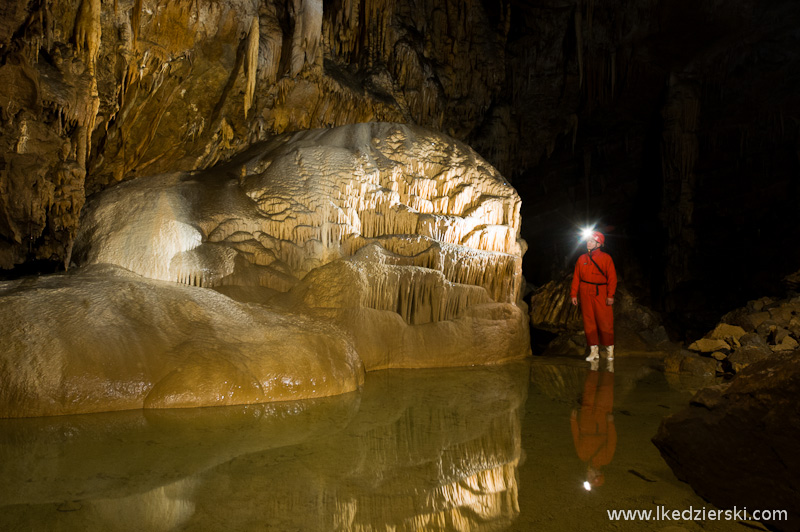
x,y
736,444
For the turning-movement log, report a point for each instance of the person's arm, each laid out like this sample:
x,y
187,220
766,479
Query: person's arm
x,y
576,280
612,281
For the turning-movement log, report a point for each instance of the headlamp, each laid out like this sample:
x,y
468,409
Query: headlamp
x,y
587,486
586,234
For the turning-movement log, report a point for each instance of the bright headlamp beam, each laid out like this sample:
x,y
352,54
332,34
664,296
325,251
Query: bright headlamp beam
x,y
586,234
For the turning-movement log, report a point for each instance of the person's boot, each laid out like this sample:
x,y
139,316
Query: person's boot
x,y
594,353
610,351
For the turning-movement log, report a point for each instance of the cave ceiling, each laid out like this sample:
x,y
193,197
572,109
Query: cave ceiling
x,y
674,124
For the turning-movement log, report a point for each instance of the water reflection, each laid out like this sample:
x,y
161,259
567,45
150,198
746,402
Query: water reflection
x,y
593,429
420,449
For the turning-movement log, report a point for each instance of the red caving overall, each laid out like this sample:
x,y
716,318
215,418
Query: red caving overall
x,y
592,288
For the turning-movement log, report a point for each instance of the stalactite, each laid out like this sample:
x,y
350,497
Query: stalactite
x,y
579,43
589,17
613,72
136,20
270,43
307,18
251,63
88,34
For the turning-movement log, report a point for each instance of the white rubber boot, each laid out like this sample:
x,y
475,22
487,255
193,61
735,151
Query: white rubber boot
x,y
610,351
594,353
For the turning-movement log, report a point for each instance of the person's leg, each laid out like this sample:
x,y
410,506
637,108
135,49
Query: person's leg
x,y
604,314
588,308
610,352
594,353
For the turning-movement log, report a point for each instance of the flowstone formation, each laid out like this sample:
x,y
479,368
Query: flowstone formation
x,y
105,339
399,245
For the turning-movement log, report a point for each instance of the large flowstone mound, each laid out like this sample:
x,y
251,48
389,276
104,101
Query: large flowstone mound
x,y
392,246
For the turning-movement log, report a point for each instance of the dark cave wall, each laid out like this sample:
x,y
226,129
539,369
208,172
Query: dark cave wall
x,y
674,125
686,152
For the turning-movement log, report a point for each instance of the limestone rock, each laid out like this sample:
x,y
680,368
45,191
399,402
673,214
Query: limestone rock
x,y
757,416
767,329
752,340
102,339
751,333
413,317
786,343
709,345
377,226
794,327
112,91
746,355
551,309
685,362
393,246
730,333
306,199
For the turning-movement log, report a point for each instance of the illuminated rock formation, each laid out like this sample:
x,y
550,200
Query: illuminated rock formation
x,y
374,244
105,339
406,238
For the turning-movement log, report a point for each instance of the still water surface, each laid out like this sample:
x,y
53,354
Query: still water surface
x,y
504,448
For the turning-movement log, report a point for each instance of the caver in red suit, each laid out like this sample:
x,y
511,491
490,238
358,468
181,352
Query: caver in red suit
x,y
593,430
594,284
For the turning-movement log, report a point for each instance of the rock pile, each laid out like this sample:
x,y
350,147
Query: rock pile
x,y
736,443
756,413
749,334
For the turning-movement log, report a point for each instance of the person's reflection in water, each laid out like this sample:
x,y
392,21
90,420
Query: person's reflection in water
x,y
593,428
